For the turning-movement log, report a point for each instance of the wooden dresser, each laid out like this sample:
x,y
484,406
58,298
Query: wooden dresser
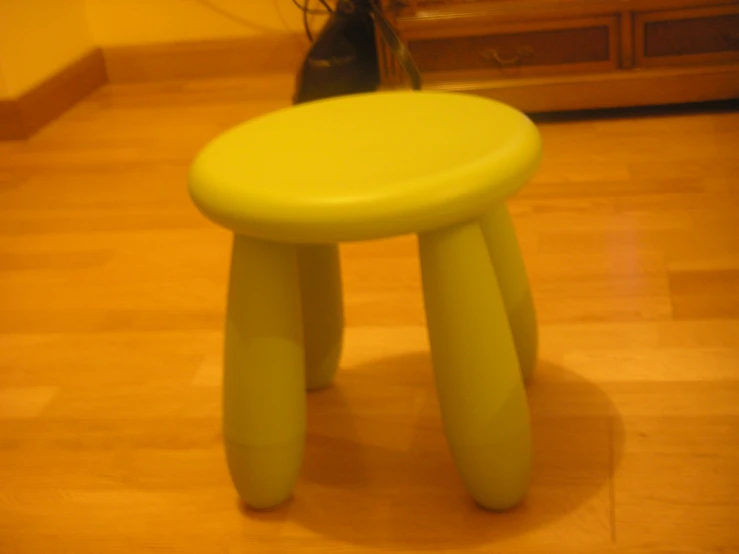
x,y
550,55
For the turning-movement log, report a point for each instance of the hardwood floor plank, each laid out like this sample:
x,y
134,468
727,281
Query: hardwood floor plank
x,y
678,482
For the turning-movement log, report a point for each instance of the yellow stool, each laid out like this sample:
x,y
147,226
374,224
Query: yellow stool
x,y
293,184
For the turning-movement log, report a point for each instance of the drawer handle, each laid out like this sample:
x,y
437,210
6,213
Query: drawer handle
x,y
492,55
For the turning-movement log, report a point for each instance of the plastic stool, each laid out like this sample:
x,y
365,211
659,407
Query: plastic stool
x,y
293,184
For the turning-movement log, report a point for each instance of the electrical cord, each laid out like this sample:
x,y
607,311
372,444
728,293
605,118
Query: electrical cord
x,y
306,25
304,7
307,10
326,5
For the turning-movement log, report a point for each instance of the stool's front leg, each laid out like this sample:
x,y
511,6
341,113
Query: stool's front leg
x,y
500,236
478,380
323,311
264,382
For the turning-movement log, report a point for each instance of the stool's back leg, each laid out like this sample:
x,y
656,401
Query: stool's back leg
x,y
505,253
478,380
323,311
264,381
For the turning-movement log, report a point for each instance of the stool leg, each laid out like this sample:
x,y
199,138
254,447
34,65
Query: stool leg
x,y
264,381
478,380
505,253
323,311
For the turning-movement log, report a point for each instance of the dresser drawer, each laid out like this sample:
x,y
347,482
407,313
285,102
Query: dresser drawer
x,y
687,37
504,51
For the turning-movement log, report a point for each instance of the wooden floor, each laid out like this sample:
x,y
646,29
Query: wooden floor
x,y
111,302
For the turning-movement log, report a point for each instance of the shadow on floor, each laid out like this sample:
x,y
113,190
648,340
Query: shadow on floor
x,y
377,471
667,110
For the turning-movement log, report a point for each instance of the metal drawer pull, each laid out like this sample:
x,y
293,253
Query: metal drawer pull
x,y
492,55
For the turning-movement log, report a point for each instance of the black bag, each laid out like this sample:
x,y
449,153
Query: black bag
x,y
343,58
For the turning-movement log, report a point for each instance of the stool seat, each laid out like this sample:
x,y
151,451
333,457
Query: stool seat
x,y
364,166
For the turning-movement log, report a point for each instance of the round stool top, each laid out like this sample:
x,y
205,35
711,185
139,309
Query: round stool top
x,y
365,166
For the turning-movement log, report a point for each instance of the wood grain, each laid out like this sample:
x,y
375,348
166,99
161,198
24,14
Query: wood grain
x,y
112,294
579,45
626,39
517,10
695,36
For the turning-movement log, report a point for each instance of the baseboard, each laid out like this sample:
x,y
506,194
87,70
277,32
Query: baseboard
x,y
23,116
272,53
11,122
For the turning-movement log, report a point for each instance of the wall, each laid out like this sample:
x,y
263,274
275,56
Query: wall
x,y
37,39
126,22
40,37
4,91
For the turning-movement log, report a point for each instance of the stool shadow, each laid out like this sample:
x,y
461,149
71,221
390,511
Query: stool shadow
x,y
377,471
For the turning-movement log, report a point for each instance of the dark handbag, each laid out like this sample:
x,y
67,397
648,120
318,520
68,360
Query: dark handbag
x,y
343,58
